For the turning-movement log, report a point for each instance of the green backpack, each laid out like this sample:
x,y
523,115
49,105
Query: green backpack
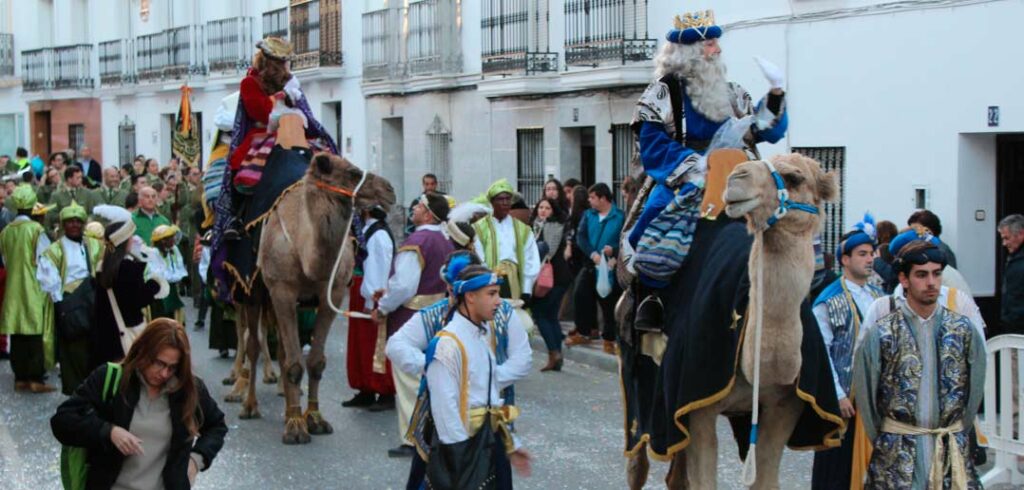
x,y
74,461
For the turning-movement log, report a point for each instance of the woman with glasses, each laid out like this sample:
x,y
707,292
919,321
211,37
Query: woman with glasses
x,y
154,426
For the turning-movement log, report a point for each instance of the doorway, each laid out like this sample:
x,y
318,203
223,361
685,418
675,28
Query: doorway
x,y
392,157
41,133
577,155
1009,199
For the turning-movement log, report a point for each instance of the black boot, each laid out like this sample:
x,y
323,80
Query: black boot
x,y
362,399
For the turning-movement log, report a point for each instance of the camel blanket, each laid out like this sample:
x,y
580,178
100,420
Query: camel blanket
x,y
705,320
283,170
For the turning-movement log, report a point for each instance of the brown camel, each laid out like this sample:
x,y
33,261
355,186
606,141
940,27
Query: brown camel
x,y
239,375
788,270
300,241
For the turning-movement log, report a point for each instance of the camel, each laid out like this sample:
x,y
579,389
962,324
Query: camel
x,y
788,269
300,240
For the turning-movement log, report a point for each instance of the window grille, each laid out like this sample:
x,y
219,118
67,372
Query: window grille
x,y
622,155
439,154
832,159
76,137
530,164
275,23
515,37
126,141
607,30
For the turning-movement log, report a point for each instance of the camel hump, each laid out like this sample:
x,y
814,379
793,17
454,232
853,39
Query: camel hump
x,y
721,163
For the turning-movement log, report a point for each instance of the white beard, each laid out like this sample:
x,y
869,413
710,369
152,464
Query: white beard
x,y
706,84
708,89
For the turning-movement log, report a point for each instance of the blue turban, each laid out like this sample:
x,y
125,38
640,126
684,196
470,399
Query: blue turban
x,y
691,35
853,241
475,283
908,236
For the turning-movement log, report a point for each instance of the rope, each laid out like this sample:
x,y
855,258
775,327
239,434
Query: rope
x,y
341,248
749,474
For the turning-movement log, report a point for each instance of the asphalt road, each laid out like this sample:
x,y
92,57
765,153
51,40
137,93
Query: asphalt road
x,y
571,422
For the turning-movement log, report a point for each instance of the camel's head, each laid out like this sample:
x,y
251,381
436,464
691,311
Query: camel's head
x,y
340,174
752,192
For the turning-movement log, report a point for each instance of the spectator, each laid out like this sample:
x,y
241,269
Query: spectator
x,y
1011,314
148,217
597,237
630,186
569,186
152,170
882,265
111,191
59,161
91,168
131,201
429,182
139,166
549,228
930,221
51,181
156,381
553,189
20,160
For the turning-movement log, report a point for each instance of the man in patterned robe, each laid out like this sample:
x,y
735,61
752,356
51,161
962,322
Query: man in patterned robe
x,y
919,376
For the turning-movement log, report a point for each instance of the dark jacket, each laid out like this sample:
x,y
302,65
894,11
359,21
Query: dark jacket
x,y
555,252
1011,312
133,293
950,256
84,420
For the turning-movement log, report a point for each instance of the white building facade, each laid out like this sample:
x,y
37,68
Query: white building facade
x,y
912,103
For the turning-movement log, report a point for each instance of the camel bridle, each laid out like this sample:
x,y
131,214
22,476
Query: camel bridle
x,y
785,204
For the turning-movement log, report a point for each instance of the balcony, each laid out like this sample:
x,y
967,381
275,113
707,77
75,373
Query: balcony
x,y
382,37
315,33
515,38
172,54
63,67
6,55
599,31
229,44
432,42
116,62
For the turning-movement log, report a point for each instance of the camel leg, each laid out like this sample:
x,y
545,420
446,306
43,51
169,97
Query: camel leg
x,y
316,363
676,477
249,315
295,429
776,425
269,376
702,457
637,467
236,368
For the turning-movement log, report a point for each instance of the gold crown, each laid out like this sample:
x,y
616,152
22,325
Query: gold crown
x,y
697,19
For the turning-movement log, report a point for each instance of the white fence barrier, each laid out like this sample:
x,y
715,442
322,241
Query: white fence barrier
x,y
1005,435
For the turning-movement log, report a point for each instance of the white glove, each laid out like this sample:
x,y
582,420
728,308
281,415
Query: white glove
x,y
771,72
293,89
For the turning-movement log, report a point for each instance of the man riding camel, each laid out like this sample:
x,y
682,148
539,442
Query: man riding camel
x,y
676,121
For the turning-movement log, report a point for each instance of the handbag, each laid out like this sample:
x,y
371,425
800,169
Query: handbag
x,y
469,463
74,314
545,280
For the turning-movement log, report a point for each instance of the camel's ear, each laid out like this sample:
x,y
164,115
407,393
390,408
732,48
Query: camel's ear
x,y
828,188
323,163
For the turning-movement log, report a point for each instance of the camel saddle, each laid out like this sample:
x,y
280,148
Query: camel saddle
x,y
721,163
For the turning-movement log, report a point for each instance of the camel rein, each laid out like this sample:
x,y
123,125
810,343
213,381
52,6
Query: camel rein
x,y
784,203
348,229
749,474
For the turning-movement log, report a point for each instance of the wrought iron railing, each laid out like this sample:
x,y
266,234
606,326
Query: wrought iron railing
x,y
275,23
607,30
316,33
514,37
382,37
63,67
6,55
431,42
171,54
229,44
116,62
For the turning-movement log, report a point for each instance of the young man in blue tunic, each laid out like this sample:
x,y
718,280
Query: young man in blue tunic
x,y
919,377
675,121
840,310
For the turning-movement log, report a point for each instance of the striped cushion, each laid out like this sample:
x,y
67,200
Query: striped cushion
x,y
666,241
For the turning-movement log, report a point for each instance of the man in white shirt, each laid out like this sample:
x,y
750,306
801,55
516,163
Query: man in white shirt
x,y
839,310
506,245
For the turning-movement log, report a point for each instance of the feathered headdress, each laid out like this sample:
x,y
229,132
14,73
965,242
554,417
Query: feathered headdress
x,y
867,235
120,226
867,225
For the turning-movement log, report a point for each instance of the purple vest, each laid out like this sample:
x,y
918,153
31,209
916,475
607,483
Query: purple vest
x,y
433,248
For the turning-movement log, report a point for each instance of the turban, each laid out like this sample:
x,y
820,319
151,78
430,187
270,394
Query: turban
x,y
694,26
864,232
436,204
24,197
911,256
40,209
276,48
901,240
73,211
163,231
501,186
475,283
120,226
94,229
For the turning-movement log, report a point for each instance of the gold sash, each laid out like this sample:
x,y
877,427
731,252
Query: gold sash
x,y
940,463
500,418
421,301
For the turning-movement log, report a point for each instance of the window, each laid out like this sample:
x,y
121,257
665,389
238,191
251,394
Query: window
x,y
832,159
76,137
275,23
622,156
515,37
530,164
439,154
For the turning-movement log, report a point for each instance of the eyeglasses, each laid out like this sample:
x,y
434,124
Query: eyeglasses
x,y
163,366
